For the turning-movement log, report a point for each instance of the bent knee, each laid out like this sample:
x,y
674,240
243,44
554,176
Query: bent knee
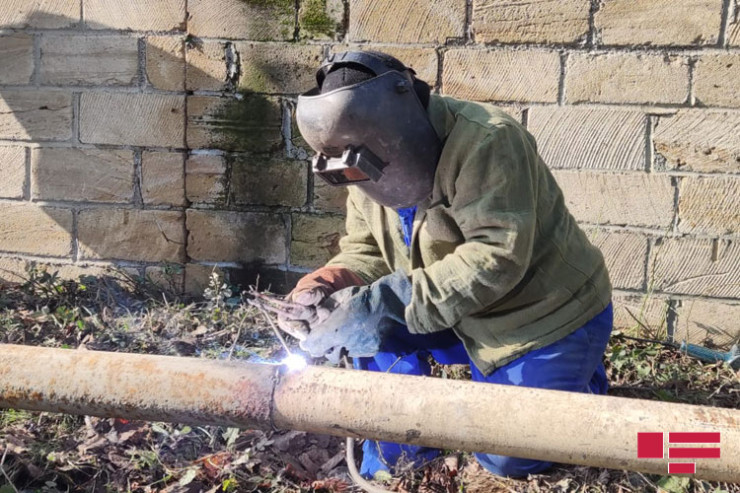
x,y
512,467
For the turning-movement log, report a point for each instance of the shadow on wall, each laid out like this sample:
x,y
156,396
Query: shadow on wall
x,y
114,150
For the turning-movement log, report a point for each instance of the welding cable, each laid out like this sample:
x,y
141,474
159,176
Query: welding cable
x,y
350,444
350,452
355,474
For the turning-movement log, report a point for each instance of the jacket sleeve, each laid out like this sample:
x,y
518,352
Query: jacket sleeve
x,y
359,251
491,194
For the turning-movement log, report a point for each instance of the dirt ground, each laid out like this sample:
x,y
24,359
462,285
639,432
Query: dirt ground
x,y
45,452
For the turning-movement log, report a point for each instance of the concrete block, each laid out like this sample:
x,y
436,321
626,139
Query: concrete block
x,y
625,255
268,181
16,59
27,228
165,62
701,267
709,205
502,75
733,29
643,315
132,119
587,138
206,180
206,68
699,140
13,171
35,115
315,239
135,15
81,270
12,269
82,175
658,22
16,269
717,80
198,277
298,148
237,19
542,21
321,19
274,279
163,178
89,60
277,68
626,78
328,198
40,14
708,323
168,277
633,199
406,21
248,237
252,123
131,234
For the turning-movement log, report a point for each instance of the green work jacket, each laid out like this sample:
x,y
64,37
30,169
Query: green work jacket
x,y
495,255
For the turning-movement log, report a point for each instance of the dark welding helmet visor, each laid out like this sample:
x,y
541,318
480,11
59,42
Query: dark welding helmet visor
x,y
374,134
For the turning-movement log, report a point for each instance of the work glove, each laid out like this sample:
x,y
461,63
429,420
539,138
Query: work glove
x,y
357,318
310,291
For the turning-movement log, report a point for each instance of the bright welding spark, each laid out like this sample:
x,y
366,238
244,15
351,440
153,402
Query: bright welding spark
x,y
294,362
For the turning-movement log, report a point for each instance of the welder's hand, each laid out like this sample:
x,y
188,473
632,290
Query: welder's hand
x,y
310,291
357,318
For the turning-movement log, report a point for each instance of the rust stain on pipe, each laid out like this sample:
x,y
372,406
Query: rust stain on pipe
x,y
155,388
520,422
540,424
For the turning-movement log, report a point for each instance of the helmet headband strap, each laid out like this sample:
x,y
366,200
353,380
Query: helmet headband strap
x,y
368,60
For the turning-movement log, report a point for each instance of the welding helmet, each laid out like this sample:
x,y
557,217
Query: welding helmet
x,y
367,121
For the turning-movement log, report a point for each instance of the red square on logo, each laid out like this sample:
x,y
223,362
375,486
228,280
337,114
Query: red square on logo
x,y
681,468
650,445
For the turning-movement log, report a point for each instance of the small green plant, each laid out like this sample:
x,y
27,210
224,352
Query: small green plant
x,y
11,416
216,294
144,459
229,485
50,288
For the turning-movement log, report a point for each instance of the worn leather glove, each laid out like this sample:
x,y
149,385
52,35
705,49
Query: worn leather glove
x,y
310,291
357,318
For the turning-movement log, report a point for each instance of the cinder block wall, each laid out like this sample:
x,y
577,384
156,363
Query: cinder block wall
x,y
159,135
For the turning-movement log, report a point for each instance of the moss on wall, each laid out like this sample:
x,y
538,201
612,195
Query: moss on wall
x,y
316,20
284,9
251,123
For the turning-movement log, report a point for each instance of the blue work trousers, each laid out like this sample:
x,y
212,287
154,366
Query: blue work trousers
x,y
573,363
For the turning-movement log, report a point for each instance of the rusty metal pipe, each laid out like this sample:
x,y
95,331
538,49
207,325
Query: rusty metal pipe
x,y
539,424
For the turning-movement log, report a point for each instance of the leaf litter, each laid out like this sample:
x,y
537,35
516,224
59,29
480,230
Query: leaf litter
x,y
49,453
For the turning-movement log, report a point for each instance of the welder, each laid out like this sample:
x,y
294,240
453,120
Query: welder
x,y
458,246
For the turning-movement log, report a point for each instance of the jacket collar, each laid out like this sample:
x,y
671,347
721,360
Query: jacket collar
x,y
441,118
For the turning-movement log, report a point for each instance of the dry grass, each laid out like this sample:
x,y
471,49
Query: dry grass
x,y
45,452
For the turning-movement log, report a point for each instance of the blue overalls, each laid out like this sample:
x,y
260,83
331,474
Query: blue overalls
x,y
573,363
